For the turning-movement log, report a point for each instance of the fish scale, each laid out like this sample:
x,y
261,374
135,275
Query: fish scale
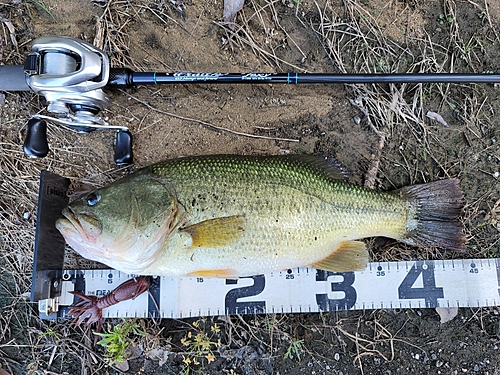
x,y
296,194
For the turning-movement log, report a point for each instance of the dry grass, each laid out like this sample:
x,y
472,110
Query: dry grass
x,y
409,148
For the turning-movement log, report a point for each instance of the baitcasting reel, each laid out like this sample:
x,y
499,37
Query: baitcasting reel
x,y
70,74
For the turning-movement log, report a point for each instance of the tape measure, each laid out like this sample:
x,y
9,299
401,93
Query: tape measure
x,y
384,285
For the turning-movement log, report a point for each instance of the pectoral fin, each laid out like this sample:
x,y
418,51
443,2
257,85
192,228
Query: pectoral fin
x,y
222,231
349,256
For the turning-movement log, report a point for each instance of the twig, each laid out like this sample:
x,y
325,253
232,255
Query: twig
x,y
212,126
371,174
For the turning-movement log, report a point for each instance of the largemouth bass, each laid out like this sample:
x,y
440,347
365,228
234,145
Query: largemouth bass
x,y
229,216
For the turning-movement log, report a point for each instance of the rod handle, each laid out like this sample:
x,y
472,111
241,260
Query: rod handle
x,y
35,143
120,77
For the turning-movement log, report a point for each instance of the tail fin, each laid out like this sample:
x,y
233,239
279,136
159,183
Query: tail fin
x,y
434,211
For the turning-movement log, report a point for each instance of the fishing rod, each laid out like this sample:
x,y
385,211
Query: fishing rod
x,y
71,74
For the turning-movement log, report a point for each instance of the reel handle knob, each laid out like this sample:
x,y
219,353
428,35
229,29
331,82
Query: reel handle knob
x,y
123,148
35,143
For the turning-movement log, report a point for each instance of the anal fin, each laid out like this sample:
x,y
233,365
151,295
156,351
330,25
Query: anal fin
x,y
349,256
223,273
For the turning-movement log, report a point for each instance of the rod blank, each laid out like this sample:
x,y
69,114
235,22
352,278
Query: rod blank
x,y
154,78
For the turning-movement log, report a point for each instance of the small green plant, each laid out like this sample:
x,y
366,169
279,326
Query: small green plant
x,y
442,19
294,349
200,343
117,340
45,8
49,333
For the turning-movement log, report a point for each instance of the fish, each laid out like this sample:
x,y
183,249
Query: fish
x,y
231,216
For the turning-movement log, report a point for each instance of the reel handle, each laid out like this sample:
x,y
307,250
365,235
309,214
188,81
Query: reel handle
x,y
123,148
35,143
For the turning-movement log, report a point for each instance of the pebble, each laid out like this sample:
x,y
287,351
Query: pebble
x,y
357,120
26,215
336,356
476,368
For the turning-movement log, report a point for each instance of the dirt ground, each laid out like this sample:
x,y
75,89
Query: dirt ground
x,y
379,132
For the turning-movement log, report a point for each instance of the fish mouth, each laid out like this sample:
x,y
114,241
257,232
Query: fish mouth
x,y
84,226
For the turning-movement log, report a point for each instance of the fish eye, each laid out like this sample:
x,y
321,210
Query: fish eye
x,y
93,198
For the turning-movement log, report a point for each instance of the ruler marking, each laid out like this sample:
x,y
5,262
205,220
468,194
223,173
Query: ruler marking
x,y
475,283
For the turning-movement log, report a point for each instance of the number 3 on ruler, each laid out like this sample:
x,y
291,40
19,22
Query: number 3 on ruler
x,y
345,286
429,292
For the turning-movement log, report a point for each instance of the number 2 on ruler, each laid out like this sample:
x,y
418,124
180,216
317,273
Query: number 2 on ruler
x,y
234,306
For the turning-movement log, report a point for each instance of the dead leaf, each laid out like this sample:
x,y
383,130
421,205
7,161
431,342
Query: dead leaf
x,y
122,366
160,354
231,7
12,30
437,117
493,217
447,313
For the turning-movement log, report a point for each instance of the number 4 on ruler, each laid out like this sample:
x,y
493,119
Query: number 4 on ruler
x,y
429,292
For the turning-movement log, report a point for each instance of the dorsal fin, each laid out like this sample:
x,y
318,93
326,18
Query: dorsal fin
x,y
328,165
